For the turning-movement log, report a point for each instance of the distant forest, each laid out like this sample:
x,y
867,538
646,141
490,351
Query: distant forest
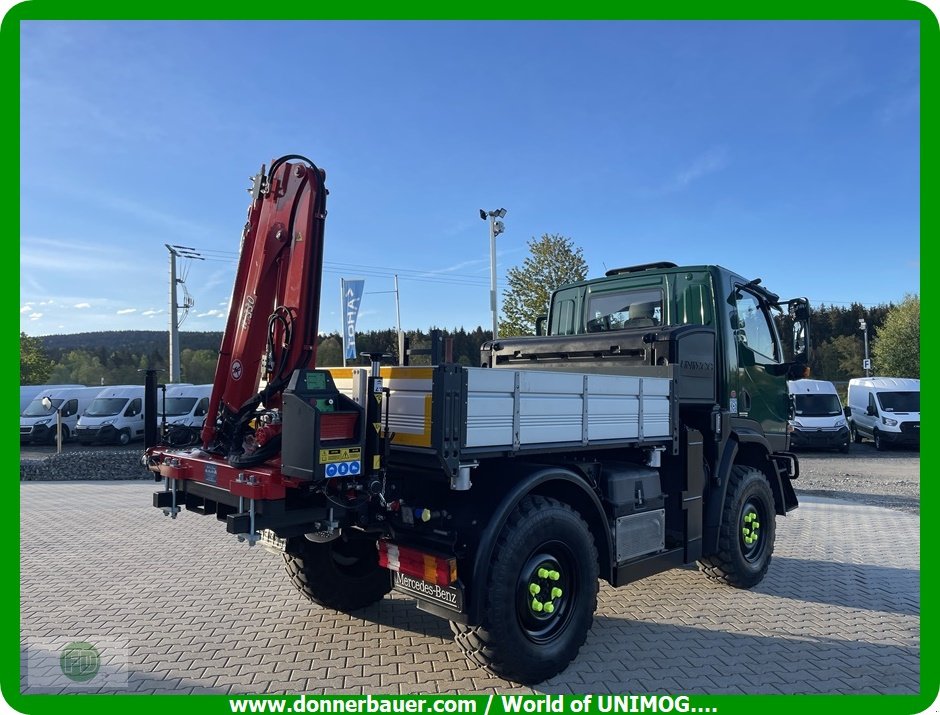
x,y
117,357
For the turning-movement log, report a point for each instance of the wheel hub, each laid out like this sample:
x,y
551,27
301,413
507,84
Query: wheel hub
x,y
752,542
544,589
545,593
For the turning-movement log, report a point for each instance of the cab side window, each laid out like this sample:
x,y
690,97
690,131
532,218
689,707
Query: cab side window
x,y
753,328
71,407
202,408
134,408
872,405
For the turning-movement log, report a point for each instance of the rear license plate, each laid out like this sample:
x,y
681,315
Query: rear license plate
x,y
450,597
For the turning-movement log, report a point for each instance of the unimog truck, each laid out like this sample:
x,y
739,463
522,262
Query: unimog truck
x,y
644,430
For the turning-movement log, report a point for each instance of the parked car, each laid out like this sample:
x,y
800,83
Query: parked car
x,y
29,392
885,410
38,422
818,419
115,416
183,409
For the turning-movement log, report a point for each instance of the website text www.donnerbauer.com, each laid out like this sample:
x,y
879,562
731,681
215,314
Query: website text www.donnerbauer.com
x,y
366,704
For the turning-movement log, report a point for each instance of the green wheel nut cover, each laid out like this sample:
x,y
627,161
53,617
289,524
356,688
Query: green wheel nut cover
x,y
554,575
536,605
543,573
556,593
534,588
549,607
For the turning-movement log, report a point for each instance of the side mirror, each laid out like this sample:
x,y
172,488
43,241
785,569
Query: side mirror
x,y
540,324
847,411
871,412
798,311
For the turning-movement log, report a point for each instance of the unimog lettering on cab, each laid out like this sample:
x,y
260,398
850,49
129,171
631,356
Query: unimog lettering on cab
x,y
644,431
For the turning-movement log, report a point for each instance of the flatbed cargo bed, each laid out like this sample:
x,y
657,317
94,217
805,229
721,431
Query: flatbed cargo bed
x,y
460,414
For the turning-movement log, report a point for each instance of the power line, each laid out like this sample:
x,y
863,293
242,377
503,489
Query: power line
x,y
341,268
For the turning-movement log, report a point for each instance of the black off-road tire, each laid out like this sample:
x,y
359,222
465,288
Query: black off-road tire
x,y
545,548
740,561
343,574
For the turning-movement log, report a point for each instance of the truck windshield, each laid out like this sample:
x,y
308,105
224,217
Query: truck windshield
x,y
106,406
35,408
177,406
899,401
817,405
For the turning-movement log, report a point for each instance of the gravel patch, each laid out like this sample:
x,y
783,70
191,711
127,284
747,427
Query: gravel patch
x,y
888,479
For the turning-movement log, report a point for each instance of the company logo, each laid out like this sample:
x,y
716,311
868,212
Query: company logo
x,y
697,365
80,661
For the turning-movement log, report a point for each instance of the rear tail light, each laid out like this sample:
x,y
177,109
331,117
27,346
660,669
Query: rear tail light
x,y
440,570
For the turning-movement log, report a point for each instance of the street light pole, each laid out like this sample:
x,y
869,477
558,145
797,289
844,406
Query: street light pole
x,y
863,326
496,228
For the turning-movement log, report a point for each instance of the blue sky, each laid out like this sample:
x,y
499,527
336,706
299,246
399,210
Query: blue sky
x,y
784,150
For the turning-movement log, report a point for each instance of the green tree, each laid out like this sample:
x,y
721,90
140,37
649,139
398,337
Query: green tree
x,y
896,347
554,261
35,365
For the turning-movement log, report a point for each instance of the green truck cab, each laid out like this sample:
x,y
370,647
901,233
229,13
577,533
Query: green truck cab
x,y
753,365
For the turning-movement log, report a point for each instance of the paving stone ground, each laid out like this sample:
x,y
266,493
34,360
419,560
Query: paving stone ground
x,y
191,610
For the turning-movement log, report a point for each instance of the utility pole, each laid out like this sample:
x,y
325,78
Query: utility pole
x,y
866,364
175,321
401,335
496,228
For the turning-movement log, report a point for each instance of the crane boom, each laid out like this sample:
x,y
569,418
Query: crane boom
x,y
273,314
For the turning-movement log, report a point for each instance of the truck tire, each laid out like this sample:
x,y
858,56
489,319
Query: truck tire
x,y
879,442
343,574
124,437
541,594
856,437
746,537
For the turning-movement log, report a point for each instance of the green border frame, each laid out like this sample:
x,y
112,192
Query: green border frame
x,y
481,10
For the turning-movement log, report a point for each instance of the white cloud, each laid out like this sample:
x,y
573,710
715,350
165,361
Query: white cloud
x,y
151,312
26,309
126,311
71,256
713,160
211,314
82,305
35,316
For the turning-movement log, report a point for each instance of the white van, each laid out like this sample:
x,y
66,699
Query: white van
x,y
818,419
184,408
885,410
116,415
38,422
29,392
